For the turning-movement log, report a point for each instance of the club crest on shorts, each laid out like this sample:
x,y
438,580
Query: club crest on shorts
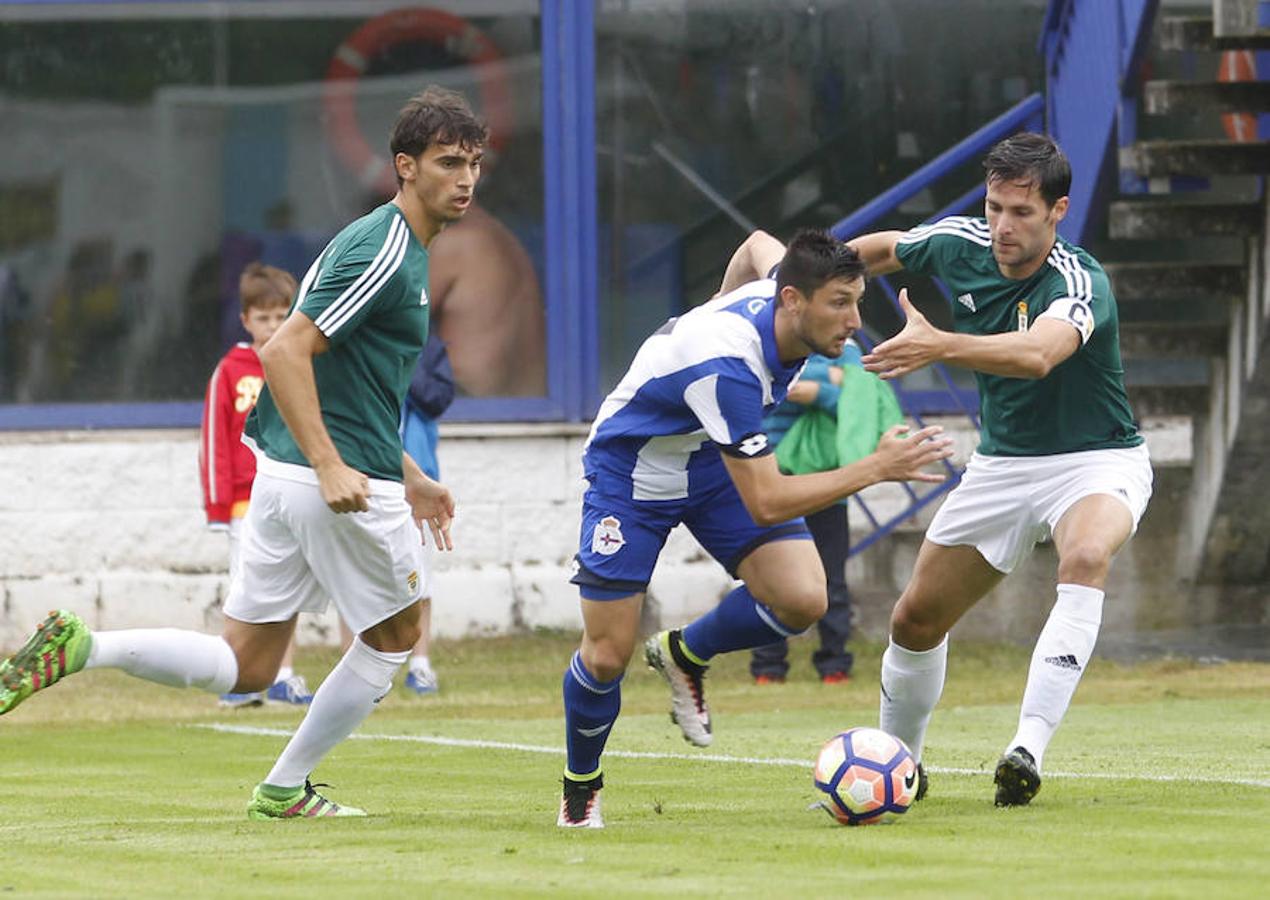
x,y
412,581
607,538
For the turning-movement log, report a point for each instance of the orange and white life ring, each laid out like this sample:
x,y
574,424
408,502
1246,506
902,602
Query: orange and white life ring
x,y
1238,65
458,37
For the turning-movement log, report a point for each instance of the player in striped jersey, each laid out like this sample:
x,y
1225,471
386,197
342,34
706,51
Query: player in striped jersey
x,y
681,440
325,431
1059,456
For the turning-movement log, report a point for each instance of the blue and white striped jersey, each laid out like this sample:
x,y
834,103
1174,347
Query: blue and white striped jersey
x,y
699,385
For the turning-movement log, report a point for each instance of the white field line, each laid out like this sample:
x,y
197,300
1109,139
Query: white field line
x,y
711,757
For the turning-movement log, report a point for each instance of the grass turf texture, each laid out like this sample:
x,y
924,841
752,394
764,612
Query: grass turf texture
x,y
112,787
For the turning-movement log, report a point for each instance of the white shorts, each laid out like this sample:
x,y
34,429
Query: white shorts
x,y
297,555
1005,505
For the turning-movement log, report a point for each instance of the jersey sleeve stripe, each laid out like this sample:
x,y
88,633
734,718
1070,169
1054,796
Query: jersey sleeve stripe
x,y
209,435
921,234
968,222
355,294
373,289
1079,282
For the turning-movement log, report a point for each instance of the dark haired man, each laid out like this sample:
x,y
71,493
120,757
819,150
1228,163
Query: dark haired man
x,y
337,507
680,439
1060,456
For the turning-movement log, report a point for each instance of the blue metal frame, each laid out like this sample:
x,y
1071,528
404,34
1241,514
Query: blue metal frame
x,y
1091,50
571,260
568,85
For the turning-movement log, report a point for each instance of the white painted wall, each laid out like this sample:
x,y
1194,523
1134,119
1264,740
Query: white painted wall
x,y
110,524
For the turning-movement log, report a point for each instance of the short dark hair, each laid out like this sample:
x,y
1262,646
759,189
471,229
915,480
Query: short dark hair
x,y
813,258
1032,158
261,286
436,116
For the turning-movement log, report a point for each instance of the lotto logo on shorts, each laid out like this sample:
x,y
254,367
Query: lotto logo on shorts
x,y
412,581
607,538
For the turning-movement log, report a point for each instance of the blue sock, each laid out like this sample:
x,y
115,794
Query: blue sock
x,y
739,622
590,709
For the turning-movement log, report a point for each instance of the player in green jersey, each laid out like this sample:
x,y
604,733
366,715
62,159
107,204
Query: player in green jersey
x,y
337,508
1060,456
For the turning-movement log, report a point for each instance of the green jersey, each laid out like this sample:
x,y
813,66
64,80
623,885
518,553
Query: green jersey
x,y
1081,404
368,293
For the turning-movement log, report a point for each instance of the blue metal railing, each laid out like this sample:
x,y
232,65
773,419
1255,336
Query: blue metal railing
x,y
1024,115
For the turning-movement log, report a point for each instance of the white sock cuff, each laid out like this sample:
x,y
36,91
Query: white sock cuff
x,y
918,660
226,671
374,667
1080,602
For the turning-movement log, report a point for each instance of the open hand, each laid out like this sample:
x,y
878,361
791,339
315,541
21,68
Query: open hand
x,y
902,456
431,505
919,343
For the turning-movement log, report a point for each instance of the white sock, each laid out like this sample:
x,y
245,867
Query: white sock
x,y
1061,655
284,672
345,699
420,661
168,656
912,681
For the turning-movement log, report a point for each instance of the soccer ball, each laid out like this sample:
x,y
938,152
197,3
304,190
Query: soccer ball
x,y
868,774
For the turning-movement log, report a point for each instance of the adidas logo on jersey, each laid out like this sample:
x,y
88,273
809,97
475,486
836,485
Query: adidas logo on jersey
x,y
968,301
1066,661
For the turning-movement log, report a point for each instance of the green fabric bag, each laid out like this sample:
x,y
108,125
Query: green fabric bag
x,y
810,445
867,407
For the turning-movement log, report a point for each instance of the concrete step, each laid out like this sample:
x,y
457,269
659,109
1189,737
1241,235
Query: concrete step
x,y
1164,97
1196,33
1172,340
1169,218
1207,282
1164,400
1156,158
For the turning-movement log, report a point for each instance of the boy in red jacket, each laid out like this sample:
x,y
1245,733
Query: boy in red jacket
x,y
226,465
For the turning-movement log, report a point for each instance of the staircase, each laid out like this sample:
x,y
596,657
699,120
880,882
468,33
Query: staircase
x,y
1194,332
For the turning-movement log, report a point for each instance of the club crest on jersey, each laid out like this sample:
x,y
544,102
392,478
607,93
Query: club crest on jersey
x,y
1022,316
412,581
968,301
607,538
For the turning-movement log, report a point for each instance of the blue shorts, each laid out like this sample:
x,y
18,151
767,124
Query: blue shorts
x,y
622,538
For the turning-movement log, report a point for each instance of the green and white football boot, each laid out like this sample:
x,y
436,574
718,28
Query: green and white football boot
x,y
269,802
58,648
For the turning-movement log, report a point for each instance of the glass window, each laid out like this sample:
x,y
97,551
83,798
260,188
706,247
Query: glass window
x,y
151,151
714,118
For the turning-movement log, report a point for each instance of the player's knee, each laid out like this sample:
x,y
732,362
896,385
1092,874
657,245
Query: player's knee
x,y
1084,562
801,606
914,628
605,660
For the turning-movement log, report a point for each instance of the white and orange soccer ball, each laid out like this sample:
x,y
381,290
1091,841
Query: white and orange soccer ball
x,y
868,774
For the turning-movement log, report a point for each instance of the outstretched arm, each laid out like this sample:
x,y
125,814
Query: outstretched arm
x,y
1015,354
772,497
752,260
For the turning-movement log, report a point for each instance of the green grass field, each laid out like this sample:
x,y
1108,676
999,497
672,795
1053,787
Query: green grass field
x,y
1157,785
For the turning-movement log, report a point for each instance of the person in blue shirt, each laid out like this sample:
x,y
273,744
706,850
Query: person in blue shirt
x,y
818,387
681,440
